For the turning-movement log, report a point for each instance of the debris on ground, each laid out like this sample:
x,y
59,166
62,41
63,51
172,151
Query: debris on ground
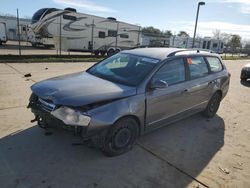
x,y
46,68
225,170
238,155
238,168
28,75
27,79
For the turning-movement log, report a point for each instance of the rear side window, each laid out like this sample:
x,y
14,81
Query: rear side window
x,y
172,72
197,67
214,63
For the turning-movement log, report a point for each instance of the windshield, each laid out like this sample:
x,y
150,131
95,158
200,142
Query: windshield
x,y
124,68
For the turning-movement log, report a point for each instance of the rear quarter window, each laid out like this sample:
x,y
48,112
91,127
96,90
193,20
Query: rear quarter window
x,y
214,63
198,67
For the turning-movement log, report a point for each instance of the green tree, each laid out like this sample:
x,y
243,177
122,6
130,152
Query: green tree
x,y
168,33
183,34
234,42
151,30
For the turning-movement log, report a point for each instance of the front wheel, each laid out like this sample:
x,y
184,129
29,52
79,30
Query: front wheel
x,y
121,137
213,105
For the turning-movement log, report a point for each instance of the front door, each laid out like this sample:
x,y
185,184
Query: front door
x,y
166,102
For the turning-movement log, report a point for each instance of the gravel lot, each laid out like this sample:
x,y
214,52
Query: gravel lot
x,y
194,152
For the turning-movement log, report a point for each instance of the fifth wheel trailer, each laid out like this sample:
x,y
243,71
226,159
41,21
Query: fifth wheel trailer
x,y
82,32
3,33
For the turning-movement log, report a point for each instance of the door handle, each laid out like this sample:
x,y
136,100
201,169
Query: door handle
x,y
186,90
212,82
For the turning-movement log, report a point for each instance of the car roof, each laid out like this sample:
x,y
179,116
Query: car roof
x,y
163,53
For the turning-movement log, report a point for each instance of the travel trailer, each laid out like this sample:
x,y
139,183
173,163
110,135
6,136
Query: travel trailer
x,y
37,40
207,43
82,32
3,33
12,28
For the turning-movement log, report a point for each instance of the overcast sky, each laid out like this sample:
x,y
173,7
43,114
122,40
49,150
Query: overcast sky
x,y
231,16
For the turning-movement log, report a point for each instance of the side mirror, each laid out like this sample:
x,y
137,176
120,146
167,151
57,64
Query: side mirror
x,y
159,84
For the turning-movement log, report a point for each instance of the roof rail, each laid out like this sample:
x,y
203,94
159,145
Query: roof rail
x,y
192,50
173,53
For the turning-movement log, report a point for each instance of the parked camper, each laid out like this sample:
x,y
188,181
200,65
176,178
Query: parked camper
x,y
37,40
77,31
3,33
207,43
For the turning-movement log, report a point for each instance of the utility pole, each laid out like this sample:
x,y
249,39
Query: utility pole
x,y
197,15
138,39
116,39
60,40
92,36
18,33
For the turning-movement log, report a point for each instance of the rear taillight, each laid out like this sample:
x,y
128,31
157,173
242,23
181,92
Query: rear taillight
x,y
229,75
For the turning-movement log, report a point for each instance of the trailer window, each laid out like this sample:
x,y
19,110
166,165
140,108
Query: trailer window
x,y
68,17
124,36
215,45
101,34
112,33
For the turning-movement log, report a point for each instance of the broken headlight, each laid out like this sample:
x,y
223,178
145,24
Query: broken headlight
x,y
71,117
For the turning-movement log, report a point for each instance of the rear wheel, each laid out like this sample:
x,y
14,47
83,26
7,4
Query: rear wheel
x,y
213,105
1,42
111,52
121,137
117,50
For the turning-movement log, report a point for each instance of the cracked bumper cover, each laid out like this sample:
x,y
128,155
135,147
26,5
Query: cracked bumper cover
x,y
47,116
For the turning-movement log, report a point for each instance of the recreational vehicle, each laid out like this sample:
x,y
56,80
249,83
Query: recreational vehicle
x,y
37,40
3,33
207,43
82,32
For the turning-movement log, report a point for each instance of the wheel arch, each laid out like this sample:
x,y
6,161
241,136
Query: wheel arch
x,y
132,117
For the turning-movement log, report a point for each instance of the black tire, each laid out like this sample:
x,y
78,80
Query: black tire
x,y
1,42
243,79
213,105
103,53
121,137
117,50
96,52
111,52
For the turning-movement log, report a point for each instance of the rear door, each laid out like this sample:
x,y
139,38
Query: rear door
x,y
200,84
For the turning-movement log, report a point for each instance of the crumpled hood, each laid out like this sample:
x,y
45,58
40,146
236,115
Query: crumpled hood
x,y
80,89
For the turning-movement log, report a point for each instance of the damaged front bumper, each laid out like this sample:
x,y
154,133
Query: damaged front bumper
x,y
48,114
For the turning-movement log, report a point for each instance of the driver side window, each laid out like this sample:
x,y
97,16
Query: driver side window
x,y
172,72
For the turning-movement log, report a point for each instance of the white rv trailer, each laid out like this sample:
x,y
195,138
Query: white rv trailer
x,y
82,32
37,40
3,33
207,43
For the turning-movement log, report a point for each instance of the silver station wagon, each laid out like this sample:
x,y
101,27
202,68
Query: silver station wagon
x,y
131,93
